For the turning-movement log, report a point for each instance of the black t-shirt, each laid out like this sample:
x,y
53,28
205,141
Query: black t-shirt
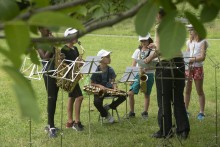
x,y
50,64
70,53
104,78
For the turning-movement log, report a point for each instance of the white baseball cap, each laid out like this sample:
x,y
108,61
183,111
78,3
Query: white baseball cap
x,y
103,53
70,31
190,27
145,37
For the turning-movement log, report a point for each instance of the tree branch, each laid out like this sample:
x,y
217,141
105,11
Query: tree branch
x,y
120,17
57,7
52,8
117,19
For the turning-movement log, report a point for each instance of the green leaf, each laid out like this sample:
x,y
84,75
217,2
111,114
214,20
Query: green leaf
x,y
98,13
16,60
93,8
25,93
216,3
194,3
18,39
145,18
82,10
41,3
167,5
34,30
172,36
34,56
209,13
130,3
198,26
9,9
55,19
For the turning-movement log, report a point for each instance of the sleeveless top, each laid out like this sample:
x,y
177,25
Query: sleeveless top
x,y
195,50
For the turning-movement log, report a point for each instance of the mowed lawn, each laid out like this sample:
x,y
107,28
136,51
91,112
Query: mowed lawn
x,y
18,131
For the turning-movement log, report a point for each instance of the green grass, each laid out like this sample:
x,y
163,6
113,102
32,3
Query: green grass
x,y
15,131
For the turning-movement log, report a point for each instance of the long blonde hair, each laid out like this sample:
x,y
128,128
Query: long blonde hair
x,y
195,37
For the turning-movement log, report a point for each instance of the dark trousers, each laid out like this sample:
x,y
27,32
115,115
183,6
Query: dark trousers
x,y
170,93
52,92
98,102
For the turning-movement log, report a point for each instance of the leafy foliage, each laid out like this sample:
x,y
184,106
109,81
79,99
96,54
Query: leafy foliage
x,y
148,12
9,9
173,36
24,92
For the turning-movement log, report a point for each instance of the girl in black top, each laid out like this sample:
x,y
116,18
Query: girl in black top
x,y
50,84
71,53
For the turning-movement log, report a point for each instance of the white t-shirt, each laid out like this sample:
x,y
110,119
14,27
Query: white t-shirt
x,y
144,54
195,50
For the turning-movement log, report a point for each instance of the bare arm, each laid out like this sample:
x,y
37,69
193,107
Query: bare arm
x,y
44,54
154,46
134,63
97,85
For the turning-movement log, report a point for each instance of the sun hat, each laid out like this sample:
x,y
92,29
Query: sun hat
x,y
144,37
103,53
70,31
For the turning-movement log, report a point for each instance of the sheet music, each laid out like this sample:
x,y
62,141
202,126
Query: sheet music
x,y
90,65
129,74
150,65
186,57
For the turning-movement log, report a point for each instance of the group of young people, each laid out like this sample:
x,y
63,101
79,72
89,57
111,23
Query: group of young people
x,y
104,80
170,92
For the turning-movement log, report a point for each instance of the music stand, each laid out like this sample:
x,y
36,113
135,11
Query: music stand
x,y
128,76
31,72
170,66
67,69
90,67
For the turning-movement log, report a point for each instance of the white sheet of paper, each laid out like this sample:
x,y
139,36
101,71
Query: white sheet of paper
x,y
142,64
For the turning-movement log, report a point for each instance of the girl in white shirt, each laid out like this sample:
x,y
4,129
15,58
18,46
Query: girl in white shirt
x,y
197,49
140,54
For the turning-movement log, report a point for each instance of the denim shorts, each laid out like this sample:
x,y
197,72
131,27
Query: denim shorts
x,y
135,87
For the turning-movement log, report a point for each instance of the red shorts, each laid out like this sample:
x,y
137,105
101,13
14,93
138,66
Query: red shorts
x,y
195,73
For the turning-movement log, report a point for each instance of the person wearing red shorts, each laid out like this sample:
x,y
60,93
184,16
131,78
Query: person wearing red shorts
x,y
196,46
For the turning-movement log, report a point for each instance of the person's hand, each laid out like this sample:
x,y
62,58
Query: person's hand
x,y
152,45
62,56
146,60
130,83
102,87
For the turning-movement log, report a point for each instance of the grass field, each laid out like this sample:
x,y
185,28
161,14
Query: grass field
x,y
15,130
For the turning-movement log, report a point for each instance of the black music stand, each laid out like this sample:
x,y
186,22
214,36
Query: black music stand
x,y
128,76
90,67
170,66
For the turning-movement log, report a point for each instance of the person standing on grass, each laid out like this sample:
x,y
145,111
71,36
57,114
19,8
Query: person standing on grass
x,y
141,53
105,80
197,47
165,92
50,84
75,97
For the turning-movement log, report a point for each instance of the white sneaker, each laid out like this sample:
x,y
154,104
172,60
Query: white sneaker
x,y
109,118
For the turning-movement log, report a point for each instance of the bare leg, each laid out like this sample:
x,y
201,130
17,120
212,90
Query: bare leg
x,y
201,94
70,109
78,103
131,100
188,90
146,102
